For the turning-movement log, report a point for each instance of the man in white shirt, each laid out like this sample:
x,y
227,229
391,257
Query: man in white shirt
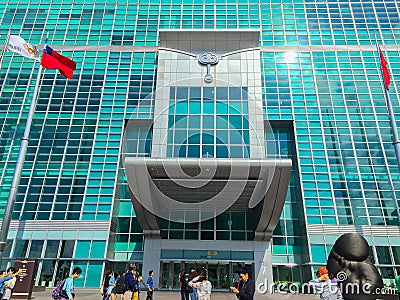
x,y
325,287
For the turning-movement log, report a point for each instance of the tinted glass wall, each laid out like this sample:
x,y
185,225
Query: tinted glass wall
x,y
346,162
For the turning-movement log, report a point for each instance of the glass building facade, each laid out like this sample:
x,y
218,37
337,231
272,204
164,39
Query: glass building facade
x,y
321,94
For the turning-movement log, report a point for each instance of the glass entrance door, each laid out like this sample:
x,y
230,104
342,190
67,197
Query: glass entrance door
x,y
169,274
221,274
164,275
212,269
224,276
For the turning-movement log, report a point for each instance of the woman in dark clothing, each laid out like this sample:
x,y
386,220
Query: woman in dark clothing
x,y
183,281
106,284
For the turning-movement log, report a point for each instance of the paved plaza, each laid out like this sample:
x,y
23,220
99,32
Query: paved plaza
x,y
93,294
167,295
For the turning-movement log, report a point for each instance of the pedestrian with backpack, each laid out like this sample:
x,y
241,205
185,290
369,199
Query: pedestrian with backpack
x,y
120,287
184,281
131,283
68,286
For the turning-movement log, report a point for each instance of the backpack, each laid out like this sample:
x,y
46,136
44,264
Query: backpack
x,y
56,293
120,286
188,288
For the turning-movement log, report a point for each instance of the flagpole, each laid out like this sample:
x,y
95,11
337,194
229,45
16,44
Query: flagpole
x,y
12,196
393,125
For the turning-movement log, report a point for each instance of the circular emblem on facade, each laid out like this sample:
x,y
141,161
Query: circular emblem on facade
x,y
208,59
208,78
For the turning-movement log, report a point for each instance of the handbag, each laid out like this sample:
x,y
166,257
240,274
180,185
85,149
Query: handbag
x,y
102,290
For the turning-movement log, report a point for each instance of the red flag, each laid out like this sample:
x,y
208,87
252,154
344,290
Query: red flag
x,y
52,60
385,71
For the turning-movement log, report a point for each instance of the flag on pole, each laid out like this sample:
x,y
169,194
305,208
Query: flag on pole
x,y
385,71
53,60
18,45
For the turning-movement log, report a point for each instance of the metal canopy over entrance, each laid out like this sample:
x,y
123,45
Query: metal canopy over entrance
x,y
191,190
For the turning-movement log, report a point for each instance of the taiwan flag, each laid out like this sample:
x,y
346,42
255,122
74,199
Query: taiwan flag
x,y
52,60
385,71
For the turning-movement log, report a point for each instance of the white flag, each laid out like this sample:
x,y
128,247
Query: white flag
x,y
18,45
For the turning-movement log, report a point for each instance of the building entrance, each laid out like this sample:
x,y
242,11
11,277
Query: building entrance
x,y
221,274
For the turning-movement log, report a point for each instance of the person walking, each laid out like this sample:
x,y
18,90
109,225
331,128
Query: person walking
x,y
131,283
247,287
202,285
183,281
112,290
193,291
325,286
105,284
68,287
150,286
238,281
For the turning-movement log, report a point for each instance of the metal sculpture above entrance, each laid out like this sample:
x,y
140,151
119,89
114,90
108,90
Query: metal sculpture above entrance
x,y
208,59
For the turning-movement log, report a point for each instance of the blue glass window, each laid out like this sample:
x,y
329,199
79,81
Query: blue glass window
x,y
235,93
195,93
208,94
208,109
181,93
182,108
222,93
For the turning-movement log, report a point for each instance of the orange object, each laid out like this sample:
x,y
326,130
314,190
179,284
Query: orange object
x,y
322,271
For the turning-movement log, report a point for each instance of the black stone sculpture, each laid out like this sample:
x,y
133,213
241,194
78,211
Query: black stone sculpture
x,y
348,263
